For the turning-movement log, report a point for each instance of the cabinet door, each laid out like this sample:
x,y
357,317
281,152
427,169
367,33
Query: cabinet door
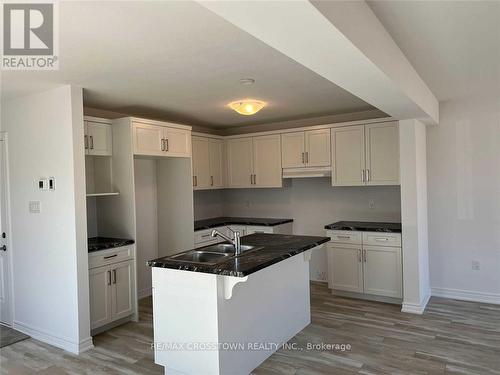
x,y
317,143
100,296
122,295
100,141
345,268
216,150
86,137
292,150
348,156
240,162
382,271
148,139
267,161
201,163
177,142
382,153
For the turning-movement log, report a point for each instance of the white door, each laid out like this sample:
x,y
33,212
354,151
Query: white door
x,y
201,163
5,276
122,291
148,139
267,161
216,150
177,142
317,144
345,268
382,153
100,296
348,156
292,150
383,271
240,162
100,141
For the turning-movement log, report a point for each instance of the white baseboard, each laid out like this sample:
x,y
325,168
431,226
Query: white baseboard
x,y
416,308
467,295
48,338
143,293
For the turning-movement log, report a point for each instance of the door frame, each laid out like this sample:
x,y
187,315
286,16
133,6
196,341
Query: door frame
x,y
7,226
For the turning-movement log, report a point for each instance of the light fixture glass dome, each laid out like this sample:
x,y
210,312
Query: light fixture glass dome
x,y
247,107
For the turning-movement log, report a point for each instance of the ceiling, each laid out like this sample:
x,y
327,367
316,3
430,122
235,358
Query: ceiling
x,y
177,61
453,45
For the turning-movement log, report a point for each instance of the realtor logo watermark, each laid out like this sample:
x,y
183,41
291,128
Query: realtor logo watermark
x,y
30,40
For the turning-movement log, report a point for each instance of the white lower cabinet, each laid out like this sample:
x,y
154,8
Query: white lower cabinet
x,y
111,289
356,265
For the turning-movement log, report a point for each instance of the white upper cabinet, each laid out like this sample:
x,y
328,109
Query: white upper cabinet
x,y
254,162
317,148
157,140
293,150
208,164
267,161
366,155
240,162
98,138
348,156
309,148
201,163
216,156
382,154
148,139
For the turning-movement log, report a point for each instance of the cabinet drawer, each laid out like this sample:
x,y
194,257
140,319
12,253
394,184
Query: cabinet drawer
x,y
110,256
345,236
382,239
201,236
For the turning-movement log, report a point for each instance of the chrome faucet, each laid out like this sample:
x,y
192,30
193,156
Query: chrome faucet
x,y
236,241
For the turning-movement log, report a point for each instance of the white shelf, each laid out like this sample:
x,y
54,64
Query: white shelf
x,y
102,194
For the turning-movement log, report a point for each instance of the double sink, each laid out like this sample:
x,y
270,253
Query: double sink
x,y
212,254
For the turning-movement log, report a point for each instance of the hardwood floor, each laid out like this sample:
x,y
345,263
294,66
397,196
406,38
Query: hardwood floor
x,y
452,337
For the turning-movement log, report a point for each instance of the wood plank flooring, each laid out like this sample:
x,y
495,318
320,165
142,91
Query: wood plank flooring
x,y
452,337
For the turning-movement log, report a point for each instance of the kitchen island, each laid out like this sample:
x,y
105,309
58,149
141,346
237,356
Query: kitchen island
x,y
228,316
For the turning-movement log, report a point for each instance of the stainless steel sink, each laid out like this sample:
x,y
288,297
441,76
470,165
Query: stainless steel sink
x,y
225,248
202,257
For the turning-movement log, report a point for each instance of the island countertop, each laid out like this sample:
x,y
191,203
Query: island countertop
x,y
273,248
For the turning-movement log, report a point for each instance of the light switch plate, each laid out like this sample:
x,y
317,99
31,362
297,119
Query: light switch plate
x,y
35,207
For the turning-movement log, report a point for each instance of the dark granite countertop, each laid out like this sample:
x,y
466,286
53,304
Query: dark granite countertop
x,y
274,249
365,226
102,243
226,220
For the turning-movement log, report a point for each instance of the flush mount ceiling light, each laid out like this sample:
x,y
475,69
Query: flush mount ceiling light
x,y
247,107
247,81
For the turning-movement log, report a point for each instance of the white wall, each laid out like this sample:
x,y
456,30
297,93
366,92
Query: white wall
x,y
313,203
464,199
413,172
147,221
50,264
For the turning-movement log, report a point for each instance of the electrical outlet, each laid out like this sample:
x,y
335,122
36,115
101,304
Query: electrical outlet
x,y
476,266
35,207
371,204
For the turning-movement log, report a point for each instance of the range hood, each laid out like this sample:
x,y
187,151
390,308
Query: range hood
x,y
307,172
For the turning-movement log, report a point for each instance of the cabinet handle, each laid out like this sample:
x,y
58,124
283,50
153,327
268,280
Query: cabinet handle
x,y
91,142
251,179
163,145
86,141
359,255
364,255
109,277
381,239
110,256
114,276
255,179
307,157
363,175
211,180
367,175
195,180
303,158
166,144
345,237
